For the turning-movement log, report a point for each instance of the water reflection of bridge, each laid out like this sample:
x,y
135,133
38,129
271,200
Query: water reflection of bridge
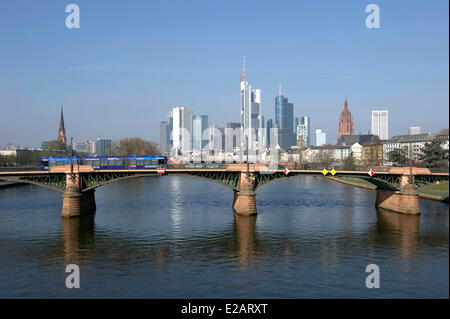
x,y
240,240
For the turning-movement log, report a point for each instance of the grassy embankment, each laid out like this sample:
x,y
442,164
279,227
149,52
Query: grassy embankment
x,y
437,192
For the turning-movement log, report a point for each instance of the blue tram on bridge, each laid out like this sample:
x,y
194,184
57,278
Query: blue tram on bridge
x,y
107,162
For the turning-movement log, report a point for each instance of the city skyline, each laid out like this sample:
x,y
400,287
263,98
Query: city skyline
x,y
128,90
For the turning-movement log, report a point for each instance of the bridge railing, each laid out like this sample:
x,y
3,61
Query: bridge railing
x,y
18,168
439,170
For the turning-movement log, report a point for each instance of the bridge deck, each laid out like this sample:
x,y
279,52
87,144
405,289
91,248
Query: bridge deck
x,y
205,170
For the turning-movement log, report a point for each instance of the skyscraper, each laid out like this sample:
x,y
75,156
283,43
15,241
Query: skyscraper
x,y
284,118
217,138
62,130
321,137
345,121
182,129
268,130
232,140
199,125
163,137
251,115
304,129
165,134
296,123
379,124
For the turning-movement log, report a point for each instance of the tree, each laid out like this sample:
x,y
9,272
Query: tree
x,y
349,163
135,146
7,160
301,155
398,157
433,154
55,148
323,158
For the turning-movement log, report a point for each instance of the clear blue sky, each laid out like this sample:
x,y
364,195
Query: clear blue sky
x,y
131,61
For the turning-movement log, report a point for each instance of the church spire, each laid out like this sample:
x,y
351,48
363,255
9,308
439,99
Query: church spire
x,y
62,130
345,103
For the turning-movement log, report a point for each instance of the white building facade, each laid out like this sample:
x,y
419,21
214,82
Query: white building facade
x,y
182,128
412,144
379,124
321,137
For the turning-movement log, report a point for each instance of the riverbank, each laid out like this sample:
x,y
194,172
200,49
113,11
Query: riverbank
x,y
432,192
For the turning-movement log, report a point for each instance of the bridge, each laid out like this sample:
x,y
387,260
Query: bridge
x,y
396,189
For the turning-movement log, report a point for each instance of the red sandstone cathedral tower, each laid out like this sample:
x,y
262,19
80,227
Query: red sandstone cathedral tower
x,y
345,121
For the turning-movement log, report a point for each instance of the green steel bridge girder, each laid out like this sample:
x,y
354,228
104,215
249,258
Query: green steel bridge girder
x,y
54,181
230,179
388,182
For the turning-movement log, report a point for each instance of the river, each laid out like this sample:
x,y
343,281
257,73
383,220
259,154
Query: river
x,y
177,237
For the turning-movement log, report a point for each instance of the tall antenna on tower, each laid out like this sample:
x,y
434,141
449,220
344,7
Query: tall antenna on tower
x,y
279,89
243,70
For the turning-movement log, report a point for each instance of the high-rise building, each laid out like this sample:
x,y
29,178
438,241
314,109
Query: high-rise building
x,y
87,147
182,129
413,130
321,137
163,137
103,147
268,130
80,147
251,115
165,134
90,147
217,138
284,118
296,122
345,121
199,125
62,130
379,124
232,136
305,129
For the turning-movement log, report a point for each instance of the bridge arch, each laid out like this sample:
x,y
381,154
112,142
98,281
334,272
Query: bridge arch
x,y
90,182
55,184
390,183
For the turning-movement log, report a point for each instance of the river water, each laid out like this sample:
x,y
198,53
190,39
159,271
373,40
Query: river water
x,y
177,237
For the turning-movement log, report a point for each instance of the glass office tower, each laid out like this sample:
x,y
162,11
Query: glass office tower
x,y
284,119
199,125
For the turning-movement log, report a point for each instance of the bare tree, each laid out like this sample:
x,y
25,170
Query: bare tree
x,y
323,158
135,146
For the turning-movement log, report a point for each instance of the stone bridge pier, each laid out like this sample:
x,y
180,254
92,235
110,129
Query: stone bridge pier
x,y
405,201
75,202
244,202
